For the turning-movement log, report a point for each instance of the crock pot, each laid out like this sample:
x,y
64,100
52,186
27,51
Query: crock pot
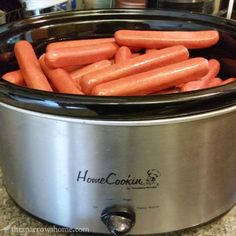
x,y
138,165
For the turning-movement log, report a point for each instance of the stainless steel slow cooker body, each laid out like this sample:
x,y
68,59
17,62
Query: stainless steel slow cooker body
x,y
147,164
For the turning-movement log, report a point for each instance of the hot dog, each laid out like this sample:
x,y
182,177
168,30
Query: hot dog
x,y
30,67
123,54
227,81
150,50
155,80
59,78
161,39
192,85
77,74
78,43
14,77
167,91
134,65
214,82
214,68
80,55
71,68
135,55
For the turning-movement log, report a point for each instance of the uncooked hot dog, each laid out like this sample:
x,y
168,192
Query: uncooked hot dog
x,y
154,80
14,77
30,67
78,43
60,79
134,65
63,57
78,74
227,81
214,69
162,39
214,82
123,54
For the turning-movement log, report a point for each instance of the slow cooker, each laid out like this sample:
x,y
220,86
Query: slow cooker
x,y
137,165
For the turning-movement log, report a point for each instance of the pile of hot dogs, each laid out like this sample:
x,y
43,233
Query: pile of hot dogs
x,y
115,66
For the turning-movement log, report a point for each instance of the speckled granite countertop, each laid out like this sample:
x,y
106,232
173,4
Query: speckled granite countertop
x,y
14,221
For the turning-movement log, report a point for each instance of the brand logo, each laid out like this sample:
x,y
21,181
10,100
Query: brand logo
x,y
149,180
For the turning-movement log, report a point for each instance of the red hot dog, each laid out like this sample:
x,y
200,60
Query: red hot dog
x,y
59,78
30,67
14,77
192,85
167,91
162,39
155,80
78,43
214,69
227,81
134,65
214,82
78,74
150,50
80,55
123,54
71,68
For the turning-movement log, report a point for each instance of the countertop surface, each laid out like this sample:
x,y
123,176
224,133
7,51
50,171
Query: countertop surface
x,y
14,221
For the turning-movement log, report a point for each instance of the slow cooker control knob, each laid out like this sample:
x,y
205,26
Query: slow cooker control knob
x,y
119,220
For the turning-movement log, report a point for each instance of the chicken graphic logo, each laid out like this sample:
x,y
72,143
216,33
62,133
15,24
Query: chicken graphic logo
x,y
152,177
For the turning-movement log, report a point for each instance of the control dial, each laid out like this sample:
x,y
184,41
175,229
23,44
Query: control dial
x,y
119,220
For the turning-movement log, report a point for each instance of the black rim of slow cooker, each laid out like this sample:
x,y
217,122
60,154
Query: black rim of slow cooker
x,y
119,108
